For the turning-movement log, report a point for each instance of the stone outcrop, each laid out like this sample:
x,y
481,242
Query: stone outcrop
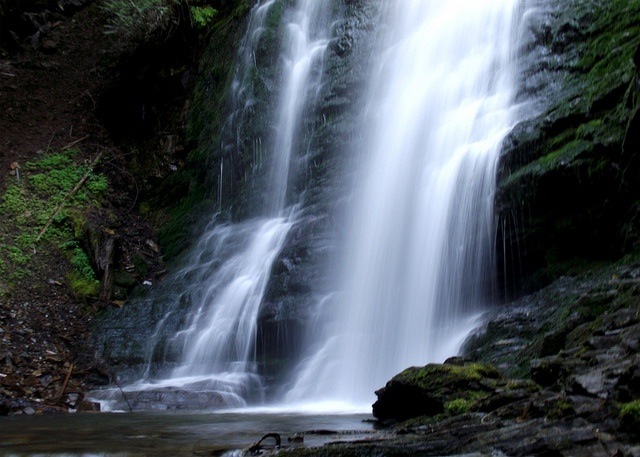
x,y
566,186
573,348
437,388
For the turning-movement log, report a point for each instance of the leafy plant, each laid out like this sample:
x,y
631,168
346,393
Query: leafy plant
x,y
48,204
458,406
202,16
140,18
630,416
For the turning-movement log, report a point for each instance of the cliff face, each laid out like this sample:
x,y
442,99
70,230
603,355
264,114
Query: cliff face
x,y
567,185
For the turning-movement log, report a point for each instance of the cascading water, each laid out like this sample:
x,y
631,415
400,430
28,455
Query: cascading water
x,y
220,337
418,262
228,271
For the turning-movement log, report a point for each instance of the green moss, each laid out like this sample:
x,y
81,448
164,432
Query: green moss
x,y
82,287
14,201
41,213
53,161
452,381
458,406
629,415
564,156
15,255
560,409
590,130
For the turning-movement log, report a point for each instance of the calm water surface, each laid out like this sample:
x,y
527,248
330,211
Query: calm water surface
x,y
166,433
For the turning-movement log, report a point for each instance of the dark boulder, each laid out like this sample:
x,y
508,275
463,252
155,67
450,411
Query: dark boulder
x,y
435,389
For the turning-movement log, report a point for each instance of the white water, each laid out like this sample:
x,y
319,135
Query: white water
x,y
417,266
219,341
228,272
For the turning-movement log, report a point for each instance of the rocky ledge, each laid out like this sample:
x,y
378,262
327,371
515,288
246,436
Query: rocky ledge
x,y
555,373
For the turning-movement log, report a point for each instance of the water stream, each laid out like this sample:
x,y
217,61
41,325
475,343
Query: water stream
x,y
415,267
418,260
225,278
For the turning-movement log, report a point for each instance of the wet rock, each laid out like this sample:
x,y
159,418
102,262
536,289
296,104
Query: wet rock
x,y
549,211
547,371
429,390
88,406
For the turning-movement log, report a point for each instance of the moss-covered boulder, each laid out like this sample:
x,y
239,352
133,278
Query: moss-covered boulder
x,y
453,387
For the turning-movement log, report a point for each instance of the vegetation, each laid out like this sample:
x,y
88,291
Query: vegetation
x,y
145,19
140,19
44,209
458,406
630,416
202,16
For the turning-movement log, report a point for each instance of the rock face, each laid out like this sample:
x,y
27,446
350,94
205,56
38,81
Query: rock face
x,y
566,193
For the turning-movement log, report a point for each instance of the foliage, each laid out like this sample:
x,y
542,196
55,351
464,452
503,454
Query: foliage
x,y
41,213
139,18
146,19
83,287
630,415
202,16
458,406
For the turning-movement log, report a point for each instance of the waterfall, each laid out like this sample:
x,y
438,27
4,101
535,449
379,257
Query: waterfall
x,y
417,264
225,278
414,266
220,336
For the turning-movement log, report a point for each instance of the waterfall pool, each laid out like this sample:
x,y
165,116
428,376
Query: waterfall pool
x,y
170,433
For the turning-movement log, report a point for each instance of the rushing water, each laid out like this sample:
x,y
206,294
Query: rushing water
x,y
227,274
416,266
418,261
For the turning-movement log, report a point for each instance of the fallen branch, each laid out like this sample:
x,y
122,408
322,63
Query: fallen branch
x,y
73,143
69,195
64,384
258,448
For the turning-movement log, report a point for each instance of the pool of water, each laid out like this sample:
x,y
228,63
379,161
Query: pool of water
x,y
169,433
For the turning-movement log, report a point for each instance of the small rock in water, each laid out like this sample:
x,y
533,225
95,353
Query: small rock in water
x,y
72,400
296,438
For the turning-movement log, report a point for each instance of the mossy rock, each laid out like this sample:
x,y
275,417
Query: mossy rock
x,y
452,388
566,177
630,417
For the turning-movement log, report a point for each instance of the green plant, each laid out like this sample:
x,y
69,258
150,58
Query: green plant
x,y
14,202
15,255
51,161
202,16
81,264
47,208
458,406
140,18
630,416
